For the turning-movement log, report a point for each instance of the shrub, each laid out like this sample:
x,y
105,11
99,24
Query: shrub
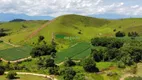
x,y
121,64
68,73
11,75
40,38
2,70
120,34
53,70
133,34
69,62
90,66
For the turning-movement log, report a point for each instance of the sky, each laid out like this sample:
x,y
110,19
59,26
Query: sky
x,y
49,9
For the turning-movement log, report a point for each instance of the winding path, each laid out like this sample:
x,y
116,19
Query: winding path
x,y
35,74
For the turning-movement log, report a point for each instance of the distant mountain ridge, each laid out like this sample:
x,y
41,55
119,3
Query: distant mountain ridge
x,y
4,17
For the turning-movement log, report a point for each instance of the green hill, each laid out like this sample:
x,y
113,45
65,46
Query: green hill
x,y
71,26
87,27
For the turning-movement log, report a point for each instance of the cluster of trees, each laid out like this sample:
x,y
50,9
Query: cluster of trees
x,y
130,34
126,54
69,73
133,34
10,75
45,63
42,49
107,42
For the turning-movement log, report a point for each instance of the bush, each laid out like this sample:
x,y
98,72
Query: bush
x,y
40,38
11,75
90,66
120,34
2,70
121,64
45,63
133,34
53,70
2,34
68,73
69,62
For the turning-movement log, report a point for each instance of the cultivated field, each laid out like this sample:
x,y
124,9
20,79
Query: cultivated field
x,y
79,51
15,53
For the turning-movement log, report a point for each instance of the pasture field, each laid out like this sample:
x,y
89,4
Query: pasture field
x,y
79,51
15,53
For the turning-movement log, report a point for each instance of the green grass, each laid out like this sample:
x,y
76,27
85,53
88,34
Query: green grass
x,y
139,69
79,51
17,33
105,65
70,25
4,46
25,77
15,53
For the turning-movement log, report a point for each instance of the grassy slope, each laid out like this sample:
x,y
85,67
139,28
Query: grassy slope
x,y
70,25
90,27
17,32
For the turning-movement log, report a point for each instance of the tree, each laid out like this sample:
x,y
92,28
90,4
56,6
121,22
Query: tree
x,y
97,55
133,34
69,62
2,70
40,38
53,70
11,75
90,66
68,73
49,62
42,50
120,34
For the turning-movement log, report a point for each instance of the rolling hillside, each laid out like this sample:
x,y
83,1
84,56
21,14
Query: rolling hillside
x,y
87,27
73,25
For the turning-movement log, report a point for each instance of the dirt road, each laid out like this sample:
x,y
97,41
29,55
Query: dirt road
x,y
35,74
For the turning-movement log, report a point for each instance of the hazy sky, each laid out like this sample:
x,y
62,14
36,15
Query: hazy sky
x,y
55,8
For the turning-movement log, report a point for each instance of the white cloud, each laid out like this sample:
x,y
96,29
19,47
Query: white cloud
x,y
59,7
